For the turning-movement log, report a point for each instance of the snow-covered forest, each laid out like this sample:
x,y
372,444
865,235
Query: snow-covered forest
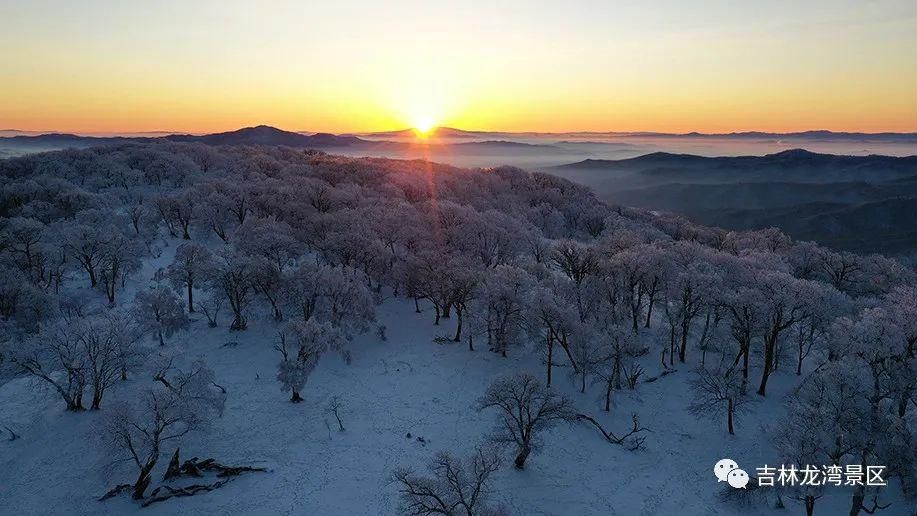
x,y
195,329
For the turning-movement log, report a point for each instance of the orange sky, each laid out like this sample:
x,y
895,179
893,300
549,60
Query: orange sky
x,y
357,65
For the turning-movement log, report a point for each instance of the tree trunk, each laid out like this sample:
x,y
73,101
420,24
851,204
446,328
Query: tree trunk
x,y
75,403
190,297
162,341
550,357
616,373
524,451
671,345
608,395
745,351
143,479
684,341
238,322
856,502
566,345
649,312
730,416
810,505
296,398
458,329
769,345
96,399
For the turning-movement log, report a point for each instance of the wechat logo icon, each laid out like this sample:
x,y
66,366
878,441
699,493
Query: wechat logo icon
x,y
727,470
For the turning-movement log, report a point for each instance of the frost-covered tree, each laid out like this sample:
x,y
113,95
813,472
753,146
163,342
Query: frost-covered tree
x,y
455,487
21,302
269,239
85,240
223,204
525,408
232,275
159,311
501,306
784,302
588,355
121,257
464,284
22,240
553,319
824,423
190,268
178,212
338,295
618,346
301,345
879,352
578,262
690,281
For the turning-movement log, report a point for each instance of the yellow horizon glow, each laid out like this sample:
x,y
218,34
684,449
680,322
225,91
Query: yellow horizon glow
x,y
202,66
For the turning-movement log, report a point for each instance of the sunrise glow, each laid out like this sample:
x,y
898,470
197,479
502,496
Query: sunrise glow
x,y
423,126
205,66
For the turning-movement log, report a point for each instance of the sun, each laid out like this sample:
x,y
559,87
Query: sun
x,y
424,125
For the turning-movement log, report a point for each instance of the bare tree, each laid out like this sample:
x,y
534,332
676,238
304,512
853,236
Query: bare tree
x,y
456,487
93,352
57,348
210,307
719,392
181,403
335,406
526,408
107,351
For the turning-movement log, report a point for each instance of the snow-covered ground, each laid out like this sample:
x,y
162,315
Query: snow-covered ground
x,y
405,384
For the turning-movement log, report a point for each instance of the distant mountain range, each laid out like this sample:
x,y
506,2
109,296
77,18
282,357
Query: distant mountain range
x,y
267,135
822,135
791,165
861,203
260,135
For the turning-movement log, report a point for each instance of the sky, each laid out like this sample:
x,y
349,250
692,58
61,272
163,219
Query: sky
x,y
536,65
